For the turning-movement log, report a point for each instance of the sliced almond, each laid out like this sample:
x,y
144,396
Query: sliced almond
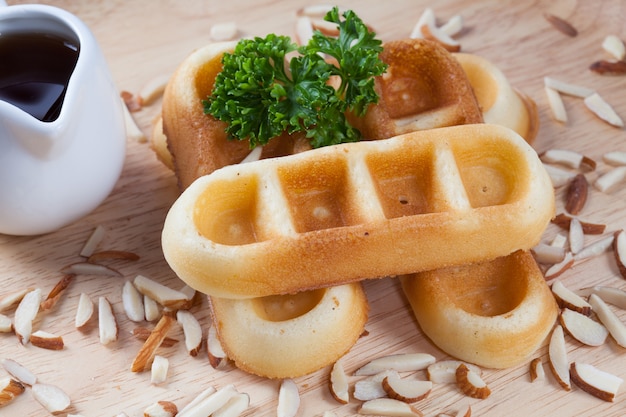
x,y
557,269
614,46
6,324
561,25
9,389
151,309
46,340
12,299
548,254
389,407
558,176
158,369
595,248
339,383
577,195
288,399
304,31
611,295
166,296
88,268
153,89
407,390
146,354
234,407
565,157
567,88
92,242
225,31
444,372
161,409
615,158
109,255
453,26
563,221
596,382
464,411
133,102
192,331
51,397
557,357
55,294
536,370
133,132
616,328
576,236
603,110
84,311
18,371
433,33
132,301
583,328
143,333
556,105
402,362
107,324
604,66
371,387
206,393
325,27
25,314
611,179
566,298
470,383
217,357
559,240
619,249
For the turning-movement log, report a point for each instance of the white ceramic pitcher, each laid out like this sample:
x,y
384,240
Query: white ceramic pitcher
x,y
55,172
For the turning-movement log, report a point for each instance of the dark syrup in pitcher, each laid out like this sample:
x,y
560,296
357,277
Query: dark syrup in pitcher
x,y
35,69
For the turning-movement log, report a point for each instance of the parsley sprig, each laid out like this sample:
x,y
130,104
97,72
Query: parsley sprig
x,y
259,98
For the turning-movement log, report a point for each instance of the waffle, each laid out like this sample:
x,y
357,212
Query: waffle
x,y
340,214
494,314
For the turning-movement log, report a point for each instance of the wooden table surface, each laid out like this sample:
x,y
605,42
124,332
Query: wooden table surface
x,y
144,39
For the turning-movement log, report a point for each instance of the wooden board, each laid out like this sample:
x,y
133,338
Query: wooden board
x,y
144,39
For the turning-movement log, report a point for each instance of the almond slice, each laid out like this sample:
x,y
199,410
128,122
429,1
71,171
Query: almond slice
x,y
158,370
25,313
595,248
234,407
565,157
162,294
406,390
614,46
563,221
6,324
557,269
470,383
51,397
567,88
558,176
557,355
192,331
217,357
151,309
55,293
132,301
146,354
556,105
616,328
107,325
18,371
389,407
576,195
288,399
13,298
225,31
548,254
108,255
338,382
133,132
611,67
84,311
561,25
206,393
603,110
93,241
9,389
560,240
611,179
611,295
615,158
426,18
161,409
46,340
598,383
583,328
402,362
566,298
87,268
142,333
576,236
433,33
371,387
315,10
619,249
453,26
444,372
536,370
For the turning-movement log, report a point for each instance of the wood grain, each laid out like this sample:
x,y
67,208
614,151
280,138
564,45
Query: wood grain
x,y
143,39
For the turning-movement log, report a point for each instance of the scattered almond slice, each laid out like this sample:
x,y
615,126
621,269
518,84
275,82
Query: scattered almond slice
x,y
615,158
559,240
371,387
162,294
402,362
9,389
55,293
558,176
108,255
567,88
206,393
557,269
133,102
46,340
603,110
93,241
611,295
192,331
464,411
25,313
107,324
142,333
536,370
406,390
51,397
611,67
616,328
217,357
225,31
548,254
444,372
566,298
614,46
326,27
339,383
132,301
453,26
388,407
88,268
556,104
133,132
304,33
314,10
470,383
234,407
557,355
563,221
568,158
596,382
611,179
583,328
288,399
576,195
595,248
13,298
561,25
576,236
151,309
84,311
158,370
6,324
18,371
433,33
146,354
153,89
161,409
